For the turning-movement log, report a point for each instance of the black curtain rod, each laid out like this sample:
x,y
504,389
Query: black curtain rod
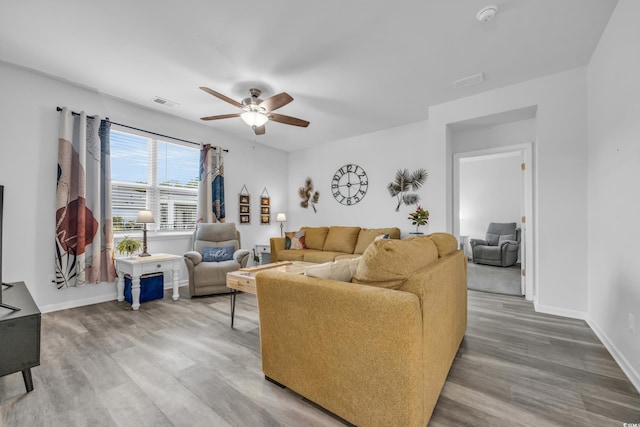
x,y
146,131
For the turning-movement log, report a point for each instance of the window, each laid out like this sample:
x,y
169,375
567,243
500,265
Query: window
x,y
151,174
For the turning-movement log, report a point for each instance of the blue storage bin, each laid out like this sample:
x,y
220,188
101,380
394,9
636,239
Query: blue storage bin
x,y
151,287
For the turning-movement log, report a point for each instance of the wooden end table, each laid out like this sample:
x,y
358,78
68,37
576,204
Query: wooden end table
x,y
245,279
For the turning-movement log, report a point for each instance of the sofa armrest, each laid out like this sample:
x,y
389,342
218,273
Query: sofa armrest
x,y
241,256
509,245
331,342
277,244
194,256
476,242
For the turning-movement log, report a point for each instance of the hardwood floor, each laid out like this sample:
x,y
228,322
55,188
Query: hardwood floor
x,y
180,364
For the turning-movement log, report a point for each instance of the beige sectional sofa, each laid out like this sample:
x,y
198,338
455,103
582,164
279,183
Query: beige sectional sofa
x,y
330,243
376,351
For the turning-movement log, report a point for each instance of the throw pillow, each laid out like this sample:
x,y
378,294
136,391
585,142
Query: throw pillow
x,y
342,270
294,240
217,253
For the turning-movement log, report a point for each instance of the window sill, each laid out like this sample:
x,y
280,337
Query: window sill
x,y
153,235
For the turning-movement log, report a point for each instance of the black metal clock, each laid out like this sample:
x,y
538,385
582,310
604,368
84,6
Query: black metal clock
x,y
349,184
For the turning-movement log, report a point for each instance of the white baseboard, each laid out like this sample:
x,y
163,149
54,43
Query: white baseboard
x,y
88,301
78,303
626,367
557,311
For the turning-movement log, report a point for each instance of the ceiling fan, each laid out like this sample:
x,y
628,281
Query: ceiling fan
x,y
257,112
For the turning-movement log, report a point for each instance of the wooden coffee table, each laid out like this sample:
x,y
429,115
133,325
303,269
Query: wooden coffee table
x,y
245,279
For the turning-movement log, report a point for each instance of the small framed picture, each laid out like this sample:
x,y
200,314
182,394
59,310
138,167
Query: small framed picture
x,y
264,210
265,219
264,201
245,219
244,198
244,208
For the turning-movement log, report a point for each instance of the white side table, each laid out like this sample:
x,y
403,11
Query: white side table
x,y
137,266
264,253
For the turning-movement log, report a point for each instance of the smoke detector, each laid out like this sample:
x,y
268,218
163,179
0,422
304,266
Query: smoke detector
x,y
487,13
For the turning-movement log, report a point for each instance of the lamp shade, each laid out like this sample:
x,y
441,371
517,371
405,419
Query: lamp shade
x,y
254,118
145,217
281,217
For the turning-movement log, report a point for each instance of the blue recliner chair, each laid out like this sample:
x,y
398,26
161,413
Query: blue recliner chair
x,y
500,246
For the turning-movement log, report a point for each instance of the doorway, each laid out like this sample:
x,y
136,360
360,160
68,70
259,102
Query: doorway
x,y
511,131
490,190
473,222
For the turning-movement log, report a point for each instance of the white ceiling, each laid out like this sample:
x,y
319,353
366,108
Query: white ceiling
x,y
352,67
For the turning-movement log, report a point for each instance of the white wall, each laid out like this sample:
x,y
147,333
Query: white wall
x,y
28,158
560,175
493,136
614,176
381,154
490,191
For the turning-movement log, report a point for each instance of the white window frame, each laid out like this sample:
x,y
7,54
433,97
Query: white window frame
x,y
153,189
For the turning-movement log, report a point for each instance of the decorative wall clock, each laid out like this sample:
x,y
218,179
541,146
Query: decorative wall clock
x,y
349,184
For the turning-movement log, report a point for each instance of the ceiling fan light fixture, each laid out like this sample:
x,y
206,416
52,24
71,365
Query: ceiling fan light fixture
x,y
254,118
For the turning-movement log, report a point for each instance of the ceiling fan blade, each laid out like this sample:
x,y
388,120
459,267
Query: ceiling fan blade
x,y
259,130
221,96
222,116
276,101
288,120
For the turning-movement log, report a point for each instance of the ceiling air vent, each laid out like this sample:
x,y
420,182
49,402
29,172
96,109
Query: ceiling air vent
x,y
469,81
164,102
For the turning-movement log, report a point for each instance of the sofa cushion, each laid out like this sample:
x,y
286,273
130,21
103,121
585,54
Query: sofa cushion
x,y
341,239
445,243
368,235
315,236
213,273
294,240
291,255
492,239
341,270
320,256
387,263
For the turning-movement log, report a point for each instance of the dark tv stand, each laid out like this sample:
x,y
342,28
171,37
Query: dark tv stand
x,y
19,334
7,306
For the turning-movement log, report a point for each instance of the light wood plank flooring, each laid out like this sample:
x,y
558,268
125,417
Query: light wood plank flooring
x,y
180,364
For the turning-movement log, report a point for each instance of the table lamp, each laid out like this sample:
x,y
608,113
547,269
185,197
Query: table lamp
x,y
281,218
144,218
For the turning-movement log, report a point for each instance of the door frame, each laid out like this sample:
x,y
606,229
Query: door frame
x,y
527,227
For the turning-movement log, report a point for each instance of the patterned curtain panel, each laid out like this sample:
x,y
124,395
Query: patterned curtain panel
x,y
84,228
211,185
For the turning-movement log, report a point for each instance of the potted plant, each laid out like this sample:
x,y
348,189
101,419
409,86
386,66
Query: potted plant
x,y
418,218
128,245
